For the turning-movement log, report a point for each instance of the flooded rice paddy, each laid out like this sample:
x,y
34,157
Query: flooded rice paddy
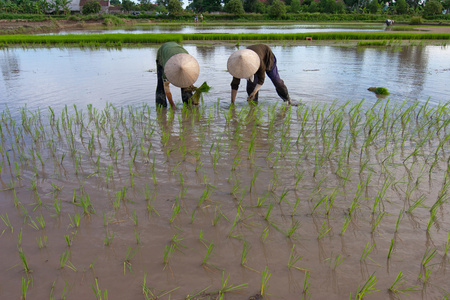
x,y
103,196
55,77
205,28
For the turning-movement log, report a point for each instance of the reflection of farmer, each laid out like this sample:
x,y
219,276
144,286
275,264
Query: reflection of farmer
x,y
253,64
174,65
389,22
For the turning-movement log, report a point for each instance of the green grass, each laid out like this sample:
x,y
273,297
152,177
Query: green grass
x,y
120,39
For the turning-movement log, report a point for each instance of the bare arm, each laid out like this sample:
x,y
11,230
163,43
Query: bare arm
x,y
233,95
253,94
168,94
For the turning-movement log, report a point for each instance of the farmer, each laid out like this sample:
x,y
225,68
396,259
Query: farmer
x,y
389,22
175,65
253,64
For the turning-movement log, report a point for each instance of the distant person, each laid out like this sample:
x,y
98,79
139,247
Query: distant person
x,y
175,65
201,18
389,22
196,19
253,64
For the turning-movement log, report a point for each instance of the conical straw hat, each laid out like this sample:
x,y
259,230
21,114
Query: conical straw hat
x,y
182,70
243,63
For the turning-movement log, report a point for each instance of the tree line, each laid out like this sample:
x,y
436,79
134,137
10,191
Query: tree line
x,y
272,8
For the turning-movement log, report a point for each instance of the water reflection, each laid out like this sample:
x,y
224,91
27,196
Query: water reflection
x,y
206,28
58,77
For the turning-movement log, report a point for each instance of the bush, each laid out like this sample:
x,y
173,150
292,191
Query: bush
x,y
234,7
401,6
277,9
174,6
416,21
111,20
432,7
91,7
373,6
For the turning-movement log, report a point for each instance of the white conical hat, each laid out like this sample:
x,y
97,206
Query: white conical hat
x,y
243,63
182,70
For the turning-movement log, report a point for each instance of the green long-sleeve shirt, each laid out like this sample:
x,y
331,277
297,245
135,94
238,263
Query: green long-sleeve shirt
x,y
166,51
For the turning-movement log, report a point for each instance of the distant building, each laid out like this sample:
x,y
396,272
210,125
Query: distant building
x,y
77,6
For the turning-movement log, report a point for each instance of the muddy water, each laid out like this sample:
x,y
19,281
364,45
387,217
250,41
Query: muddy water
x,y
330,178
157,192
56,77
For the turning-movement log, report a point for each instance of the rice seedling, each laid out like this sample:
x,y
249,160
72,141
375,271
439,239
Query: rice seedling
x,y
252,183
427,257
24,261
25,283
98,292
208,253
391,248
168,252
306,294
377,221
65,262
293,259
399,219
324,230
418,203
367,251
265,276
175,211
368,287
264,234
68,240
7,222
335,262
431,219
42,242
19,239
269,211
398,282
127,261
446,246
109,237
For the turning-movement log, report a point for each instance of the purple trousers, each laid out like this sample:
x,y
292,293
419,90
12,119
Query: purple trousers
x,y
280,87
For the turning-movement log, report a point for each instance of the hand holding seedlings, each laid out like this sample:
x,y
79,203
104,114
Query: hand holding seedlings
x,y
174,65
253,64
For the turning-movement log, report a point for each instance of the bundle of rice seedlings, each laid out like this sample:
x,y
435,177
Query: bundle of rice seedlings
x,y
379,90
204,88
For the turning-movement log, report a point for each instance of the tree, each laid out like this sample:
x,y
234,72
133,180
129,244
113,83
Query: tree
x,y
234,7
401,7
446,5
277,9
313,7
174,6
327,6
127,5
91,7
296,6
432,7
205,5
373,6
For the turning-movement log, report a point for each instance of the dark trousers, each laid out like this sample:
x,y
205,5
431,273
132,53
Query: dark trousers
x,y
160,96
280,87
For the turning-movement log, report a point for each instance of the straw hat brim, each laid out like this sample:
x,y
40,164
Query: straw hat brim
x,y
182,70
243,63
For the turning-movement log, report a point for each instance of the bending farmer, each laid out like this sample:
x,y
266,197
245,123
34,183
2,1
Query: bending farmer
x,y
175,65
253,64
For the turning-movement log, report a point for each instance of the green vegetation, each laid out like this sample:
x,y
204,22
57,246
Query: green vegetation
x,y
118,40
91,7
